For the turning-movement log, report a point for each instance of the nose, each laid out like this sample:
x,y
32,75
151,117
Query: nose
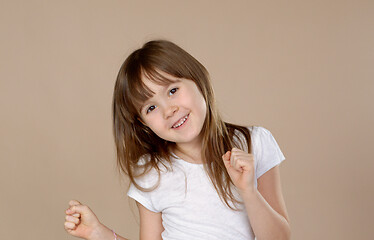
x,y
170,111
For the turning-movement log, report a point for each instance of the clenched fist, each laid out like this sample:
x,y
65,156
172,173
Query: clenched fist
x,y
80,221
240,166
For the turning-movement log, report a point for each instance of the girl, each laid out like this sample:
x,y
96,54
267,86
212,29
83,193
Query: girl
x,y
193,176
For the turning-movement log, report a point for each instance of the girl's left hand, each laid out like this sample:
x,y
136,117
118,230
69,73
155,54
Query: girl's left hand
x,y
240,166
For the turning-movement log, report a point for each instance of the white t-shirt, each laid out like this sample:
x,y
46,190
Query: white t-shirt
x,y
191,207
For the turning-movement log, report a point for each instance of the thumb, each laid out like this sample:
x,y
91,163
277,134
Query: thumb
x,y
74,202
70,209
87,216
80,209
77,209
226,158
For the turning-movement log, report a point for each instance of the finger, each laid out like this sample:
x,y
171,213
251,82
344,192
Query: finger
x,y
74,202
80,209
226,158
69,225
70,212
237,150
244,165
72,219
233,158
237,161
241,154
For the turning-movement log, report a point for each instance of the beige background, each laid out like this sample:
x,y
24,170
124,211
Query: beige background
x,y
302,69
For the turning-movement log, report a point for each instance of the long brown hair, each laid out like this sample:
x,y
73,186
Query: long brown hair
x,y
133,140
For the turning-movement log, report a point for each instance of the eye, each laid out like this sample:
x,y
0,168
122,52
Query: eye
x,y
173,91
151,108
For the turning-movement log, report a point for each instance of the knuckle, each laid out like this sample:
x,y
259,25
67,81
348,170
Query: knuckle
x,y
71,225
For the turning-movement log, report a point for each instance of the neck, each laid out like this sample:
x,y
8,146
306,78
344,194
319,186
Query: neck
x,y
191,152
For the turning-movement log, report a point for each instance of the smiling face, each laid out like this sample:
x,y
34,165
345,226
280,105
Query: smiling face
x,y
176,112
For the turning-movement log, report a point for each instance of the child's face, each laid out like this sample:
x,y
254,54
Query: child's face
x,y
175,112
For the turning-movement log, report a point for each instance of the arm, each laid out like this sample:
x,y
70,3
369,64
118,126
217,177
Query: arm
x,y
82,222
103,232
264,205
150,227
150,224
266,208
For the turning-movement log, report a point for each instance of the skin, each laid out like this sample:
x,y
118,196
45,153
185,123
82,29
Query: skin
x,y
168,105
240,166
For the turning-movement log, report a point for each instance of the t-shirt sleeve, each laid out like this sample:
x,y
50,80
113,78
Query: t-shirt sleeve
x,y
266,151
145,198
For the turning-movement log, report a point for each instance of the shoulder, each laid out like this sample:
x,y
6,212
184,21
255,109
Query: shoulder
x,y
148,174
266,150
146,160
145,175
258,131
261,137
255,131
257,134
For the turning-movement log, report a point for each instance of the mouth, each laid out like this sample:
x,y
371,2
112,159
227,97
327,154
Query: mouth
x,y
180,122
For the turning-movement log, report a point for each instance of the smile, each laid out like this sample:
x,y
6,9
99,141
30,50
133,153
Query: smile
x,y
180,122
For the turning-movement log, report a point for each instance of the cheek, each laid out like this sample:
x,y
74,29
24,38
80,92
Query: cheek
x,y
198,99
203,110
200,103
156,125
156,131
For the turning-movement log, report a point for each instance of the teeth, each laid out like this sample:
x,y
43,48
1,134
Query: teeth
x,y
181,122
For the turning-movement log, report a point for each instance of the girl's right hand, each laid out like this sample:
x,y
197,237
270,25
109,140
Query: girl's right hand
x,y
80,221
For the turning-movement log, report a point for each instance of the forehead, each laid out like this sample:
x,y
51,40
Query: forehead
x,y
153,84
